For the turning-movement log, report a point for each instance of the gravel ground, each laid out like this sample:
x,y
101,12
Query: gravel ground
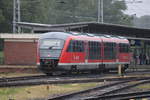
x,y
18,66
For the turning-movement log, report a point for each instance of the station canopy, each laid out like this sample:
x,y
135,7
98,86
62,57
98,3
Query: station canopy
x,y
88,27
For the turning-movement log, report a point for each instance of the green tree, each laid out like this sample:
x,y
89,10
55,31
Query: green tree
x,y
113,12
2,19
62,11
86,10
6,16
142,22
32,11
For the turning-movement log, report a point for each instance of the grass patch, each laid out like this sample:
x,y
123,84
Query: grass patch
x,y
42,91
15,74
1,54
81,85
1,57
143,87
7,93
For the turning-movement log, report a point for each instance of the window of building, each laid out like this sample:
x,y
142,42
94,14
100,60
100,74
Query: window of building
x,y
94,50
76,46
123,48
109,50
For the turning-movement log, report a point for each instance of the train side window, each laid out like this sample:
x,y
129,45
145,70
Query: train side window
x,y
70,46
76,46
94,50
123,48
109,50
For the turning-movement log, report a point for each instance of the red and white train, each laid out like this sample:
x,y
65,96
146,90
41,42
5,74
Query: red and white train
x,y
72,51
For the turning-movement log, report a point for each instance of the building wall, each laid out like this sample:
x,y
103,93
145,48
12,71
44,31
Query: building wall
x,y
20,52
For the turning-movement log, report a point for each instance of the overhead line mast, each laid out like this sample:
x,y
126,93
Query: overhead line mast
x,y
100,11
100,16
16,16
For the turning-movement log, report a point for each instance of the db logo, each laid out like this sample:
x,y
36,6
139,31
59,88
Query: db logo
x,y
125,57
76,57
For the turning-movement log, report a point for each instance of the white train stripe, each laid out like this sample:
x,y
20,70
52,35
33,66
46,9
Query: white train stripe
x,y
93,63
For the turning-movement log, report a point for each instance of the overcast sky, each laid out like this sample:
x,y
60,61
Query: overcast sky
x,y
139,9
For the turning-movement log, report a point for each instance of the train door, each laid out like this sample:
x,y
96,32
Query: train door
x,y
86,51
78,54
124,52
75,54
94,52
117,52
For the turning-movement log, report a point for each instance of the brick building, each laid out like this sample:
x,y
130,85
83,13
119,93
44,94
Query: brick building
x,y
20,49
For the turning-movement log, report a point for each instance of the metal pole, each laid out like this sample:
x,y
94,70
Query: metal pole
x,y
98,14
14,16
102,12
119,70
18,14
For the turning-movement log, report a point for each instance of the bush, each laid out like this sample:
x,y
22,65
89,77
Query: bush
x,y
1,44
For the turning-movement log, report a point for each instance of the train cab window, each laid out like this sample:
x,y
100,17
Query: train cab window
x,y
94,50
76,46
123,48
51,43
109,50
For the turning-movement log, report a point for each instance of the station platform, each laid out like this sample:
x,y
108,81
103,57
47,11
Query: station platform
x,y
140,66
18,68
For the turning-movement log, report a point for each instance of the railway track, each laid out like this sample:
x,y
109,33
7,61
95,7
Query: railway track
x,y
81,78
105,90
3,79
98,92
124,96
21,78
42,79
119,89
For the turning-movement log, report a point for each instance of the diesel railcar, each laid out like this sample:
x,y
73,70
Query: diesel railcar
x,y
72,51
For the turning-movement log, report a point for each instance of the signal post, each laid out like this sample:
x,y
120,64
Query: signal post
x,y
120,73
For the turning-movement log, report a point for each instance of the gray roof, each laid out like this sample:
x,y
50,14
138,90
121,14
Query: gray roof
x,y
89,27
19,36
60,35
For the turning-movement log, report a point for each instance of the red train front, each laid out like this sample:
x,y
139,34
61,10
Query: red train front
x,y
61,52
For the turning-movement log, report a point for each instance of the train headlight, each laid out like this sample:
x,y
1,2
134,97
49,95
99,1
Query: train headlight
x,y
48,55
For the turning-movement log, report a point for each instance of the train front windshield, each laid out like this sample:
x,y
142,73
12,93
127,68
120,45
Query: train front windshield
x,y
51,44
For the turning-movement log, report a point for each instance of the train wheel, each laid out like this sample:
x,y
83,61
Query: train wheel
x,y
49,74
92,71
73,69
124,68
102,69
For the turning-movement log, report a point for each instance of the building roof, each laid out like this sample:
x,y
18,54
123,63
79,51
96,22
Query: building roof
x,y
19,36
89,27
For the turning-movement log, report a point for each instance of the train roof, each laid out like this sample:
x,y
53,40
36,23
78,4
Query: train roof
x,y
64,35
60,35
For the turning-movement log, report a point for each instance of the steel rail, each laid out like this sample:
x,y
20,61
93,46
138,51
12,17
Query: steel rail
x,y
43,79
125,96
63,80
99,96
105,89
4,79
22,78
